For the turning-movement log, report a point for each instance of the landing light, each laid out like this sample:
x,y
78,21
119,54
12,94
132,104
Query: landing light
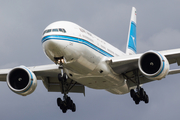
x,y
60,61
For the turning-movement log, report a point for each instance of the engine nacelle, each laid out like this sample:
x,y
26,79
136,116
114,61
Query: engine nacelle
x,y
153,65
21,80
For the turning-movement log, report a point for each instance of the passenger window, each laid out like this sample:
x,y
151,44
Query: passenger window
x,y
55,30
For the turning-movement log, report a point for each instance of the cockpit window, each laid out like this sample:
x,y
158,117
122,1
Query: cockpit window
x,y
64,30
55,30
44,32
47,31
61,30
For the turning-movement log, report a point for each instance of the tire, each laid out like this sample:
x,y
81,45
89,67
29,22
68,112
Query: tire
x,y
136,99
59,102
71,104
64,107
64,110
146,99
73,107
132,93
142,93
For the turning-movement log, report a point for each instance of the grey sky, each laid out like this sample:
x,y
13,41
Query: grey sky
x,y
22,23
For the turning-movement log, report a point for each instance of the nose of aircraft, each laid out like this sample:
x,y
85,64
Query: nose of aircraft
x,y
53,48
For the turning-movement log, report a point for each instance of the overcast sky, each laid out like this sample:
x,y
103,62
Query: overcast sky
x,y
21,26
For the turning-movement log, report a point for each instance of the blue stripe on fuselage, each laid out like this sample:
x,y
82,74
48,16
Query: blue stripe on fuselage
x,y
77,40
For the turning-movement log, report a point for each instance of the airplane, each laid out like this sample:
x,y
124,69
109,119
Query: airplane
x,y
83,59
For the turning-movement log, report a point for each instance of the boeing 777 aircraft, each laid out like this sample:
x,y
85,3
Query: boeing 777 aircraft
x,y
83,59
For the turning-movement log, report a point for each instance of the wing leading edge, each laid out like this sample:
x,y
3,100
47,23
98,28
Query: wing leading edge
x,y
129,63
49,76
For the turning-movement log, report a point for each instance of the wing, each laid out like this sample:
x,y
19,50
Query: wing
x,y
49,75
126,65
173,55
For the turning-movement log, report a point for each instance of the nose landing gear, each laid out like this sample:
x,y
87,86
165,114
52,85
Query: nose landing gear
x,y
67,102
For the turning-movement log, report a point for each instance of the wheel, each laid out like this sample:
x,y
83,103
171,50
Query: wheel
x,y
132,93
136,99
64,110
73,107
70,104
142,93
146,99
59,102
60,77
64,107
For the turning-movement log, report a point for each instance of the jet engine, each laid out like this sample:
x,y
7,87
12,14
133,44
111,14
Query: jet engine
x,y
153,65
21,80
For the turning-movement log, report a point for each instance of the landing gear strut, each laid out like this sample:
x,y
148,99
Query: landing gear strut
x,y
67,102
139,94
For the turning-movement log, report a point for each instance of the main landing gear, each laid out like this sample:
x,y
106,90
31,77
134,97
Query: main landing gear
x,y
139,94
67,102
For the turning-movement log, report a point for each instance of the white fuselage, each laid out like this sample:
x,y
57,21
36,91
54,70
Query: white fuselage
x,y
85,56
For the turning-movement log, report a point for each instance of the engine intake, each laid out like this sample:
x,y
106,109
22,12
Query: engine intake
x,y
21,80
153,65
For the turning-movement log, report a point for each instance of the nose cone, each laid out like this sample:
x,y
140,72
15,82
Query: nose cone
x,y
53,48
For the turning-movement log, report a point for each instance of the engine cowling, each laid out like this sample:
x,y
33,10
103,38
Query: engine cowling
x,y
21,80
153,65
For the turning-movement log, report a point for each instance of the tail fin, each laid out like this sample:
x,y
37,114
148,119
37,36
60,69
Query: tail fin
x,y
131,41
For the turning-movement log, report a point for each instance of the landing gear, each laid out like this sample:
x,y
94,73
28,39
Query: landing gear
x,y
139,94
67,102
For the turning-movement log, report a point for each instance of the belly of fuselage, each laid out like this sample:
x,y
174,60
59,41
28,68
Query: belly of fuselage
x,y
84,65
